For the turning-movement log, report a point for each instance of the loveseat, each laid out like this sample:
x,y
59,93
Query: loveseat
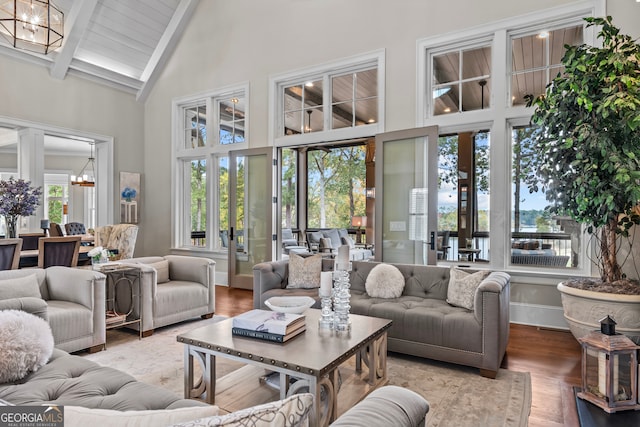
x,y
424,323
73,301
174,288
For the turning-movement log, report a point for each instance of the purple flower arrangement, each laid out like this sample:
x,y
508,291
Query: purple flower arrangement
x,y
17,198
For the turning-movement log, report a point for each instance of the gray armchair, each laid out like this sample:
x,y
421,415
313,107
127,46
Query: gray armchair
x,y
72,299
185,291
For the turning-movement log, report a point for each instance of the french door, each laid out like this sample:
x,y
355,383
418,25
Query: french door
x,y
406,178
250,213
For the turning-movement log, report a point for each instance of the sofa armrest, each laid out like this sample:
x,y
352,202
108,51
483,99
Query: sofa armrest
x,y
387,406
81,286
492,311
267,276
33,305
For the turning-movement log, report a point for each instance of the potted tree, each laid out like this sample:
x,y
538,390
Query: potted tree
x,y
588,159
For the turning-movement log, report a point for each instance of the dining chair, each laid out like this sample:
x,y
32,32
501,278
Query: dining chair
x,y
30,240
55,230
73,228
62,251
10,253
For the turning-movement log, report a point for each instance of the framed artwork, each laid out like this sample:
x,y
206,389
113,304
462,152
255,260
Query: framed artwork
x,y
129,197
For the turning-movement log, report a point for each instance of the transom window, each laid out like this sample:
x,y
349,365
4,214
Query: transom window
x,y
536,60
461,80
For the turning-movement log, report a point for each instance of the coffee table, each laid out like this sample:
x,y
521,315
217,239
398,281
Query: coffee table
x,y
312,356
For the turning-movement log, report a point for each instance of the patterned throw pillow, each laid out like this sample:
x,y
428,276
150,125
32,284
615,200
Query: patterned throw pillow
x,y
292,411
462,287
304,272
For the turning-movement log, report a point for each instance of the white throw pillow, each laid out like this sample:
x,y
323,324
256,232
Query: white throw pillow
x,y
26,344
162,270
292,411
77,416
20,287
384,281
462,287
304,272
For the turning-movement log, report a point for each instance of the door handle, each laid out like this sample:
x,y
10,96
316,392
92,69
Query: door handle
x,y
432,240
231,233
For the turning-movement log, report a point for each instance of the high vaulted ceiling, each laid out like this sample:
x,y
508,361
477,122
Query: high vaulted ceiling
x,y
123,43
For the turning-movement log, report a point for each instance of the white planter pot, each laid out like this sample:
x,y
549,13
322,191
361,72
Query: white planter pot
x,y
583,311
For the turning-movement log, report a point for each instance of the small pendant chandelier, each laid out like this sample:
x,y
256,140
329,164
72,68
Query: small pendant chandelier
x,y
35,25
84,179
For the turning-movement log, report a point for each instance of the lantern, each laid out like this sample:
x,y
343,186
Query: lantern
x,y
609,369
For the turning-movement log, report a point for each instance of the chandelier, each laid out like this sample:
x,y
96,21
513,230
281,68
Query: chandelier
x,y
35,25
84,179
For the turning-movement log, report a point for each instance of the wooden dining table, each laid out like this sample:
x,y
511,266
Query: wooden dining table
x,y
29,258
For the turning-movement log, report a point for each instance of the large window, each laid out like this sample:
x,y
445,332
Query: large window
x,y
459,75
210,125
289,187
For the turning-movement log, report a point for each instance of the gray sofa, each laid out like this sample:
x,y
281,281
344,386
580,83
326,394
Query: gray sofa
x,y
188,292
72,300
73,381
424,324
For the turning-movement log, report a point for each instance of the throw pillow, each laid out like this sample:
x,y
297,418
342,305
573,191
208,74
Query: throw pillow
x,y
162,270
292,411
81,417
334,236
26,344
304,272
462,287
19,287
349,242
384,281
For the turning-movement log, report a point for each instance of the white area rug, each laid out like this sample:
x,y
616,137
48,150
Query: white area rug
x,y
458,396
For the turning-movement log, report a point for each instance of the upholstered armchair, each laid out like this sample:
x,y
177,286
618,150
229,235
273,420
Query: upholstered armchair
x,y
121,237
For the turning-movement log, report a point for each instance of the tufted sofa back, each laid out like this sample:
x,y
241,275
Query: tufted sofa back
x,y
423,281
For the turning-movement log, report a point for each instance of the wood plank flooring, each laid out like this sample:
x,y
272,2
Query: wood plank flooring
x,y
552,358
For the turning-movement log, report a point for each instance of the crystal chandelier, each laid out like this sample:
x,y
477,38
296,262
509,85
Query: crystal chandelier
x,y
35,25
84,179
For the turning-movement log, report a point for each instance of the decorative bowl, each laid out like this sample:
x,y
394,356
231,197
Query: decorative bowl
x,y
297,305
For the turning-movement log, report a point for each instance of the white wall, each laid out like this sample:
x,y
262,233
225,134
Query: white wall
x,y
27,92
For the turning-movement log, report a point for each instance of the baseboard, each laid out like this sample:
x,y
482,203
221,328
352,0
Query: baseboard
x,y
545,316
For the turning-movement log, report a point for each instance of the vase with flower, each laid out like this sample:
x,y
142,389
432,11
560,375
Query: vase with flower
x,y
128,193
99,256
17,198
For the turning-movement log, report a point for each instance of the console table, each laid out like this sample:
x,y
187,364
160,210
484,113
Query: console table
x,y
123,293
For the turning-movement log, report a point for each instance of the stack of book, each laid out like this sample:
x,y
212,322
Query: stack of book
x,y
268,325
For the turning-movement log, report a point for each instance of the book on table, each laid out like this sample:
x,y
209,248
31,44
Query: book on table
x,y
269,321
268,336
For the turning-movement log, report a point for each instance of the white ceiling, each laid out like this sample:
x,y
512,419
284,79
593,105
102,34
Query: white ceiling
x,y
123,43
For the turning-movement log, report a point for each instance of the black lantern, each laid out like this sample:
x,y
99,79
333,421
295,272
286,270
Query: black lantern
x,y
609,369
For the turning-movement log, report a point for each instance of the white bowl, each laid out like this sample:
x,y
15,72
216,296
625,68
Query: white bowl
x,y
297,305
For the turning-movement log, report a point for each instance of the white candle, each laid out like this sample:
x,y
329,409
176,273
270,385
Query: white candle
x,y
343,258
326,283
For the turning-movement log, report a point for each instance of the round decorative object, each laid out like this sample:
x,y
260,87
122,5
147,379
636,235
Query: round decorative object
x,y
296,305
26,343
384,281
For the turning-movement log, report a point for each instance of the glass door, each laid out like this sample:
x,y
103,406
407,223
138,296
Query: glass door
x,y
406,196
250,213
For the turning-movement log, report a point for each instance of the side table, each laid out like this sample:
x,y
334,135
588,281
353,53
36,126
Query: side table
x,y
123,293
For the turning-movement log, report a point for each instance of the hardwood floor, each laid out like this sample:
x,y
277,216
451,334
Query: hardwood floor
x,y
552,358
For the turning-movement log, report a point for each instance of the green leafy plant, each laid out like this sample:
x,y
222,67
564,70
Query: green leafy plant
x,y
588,152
